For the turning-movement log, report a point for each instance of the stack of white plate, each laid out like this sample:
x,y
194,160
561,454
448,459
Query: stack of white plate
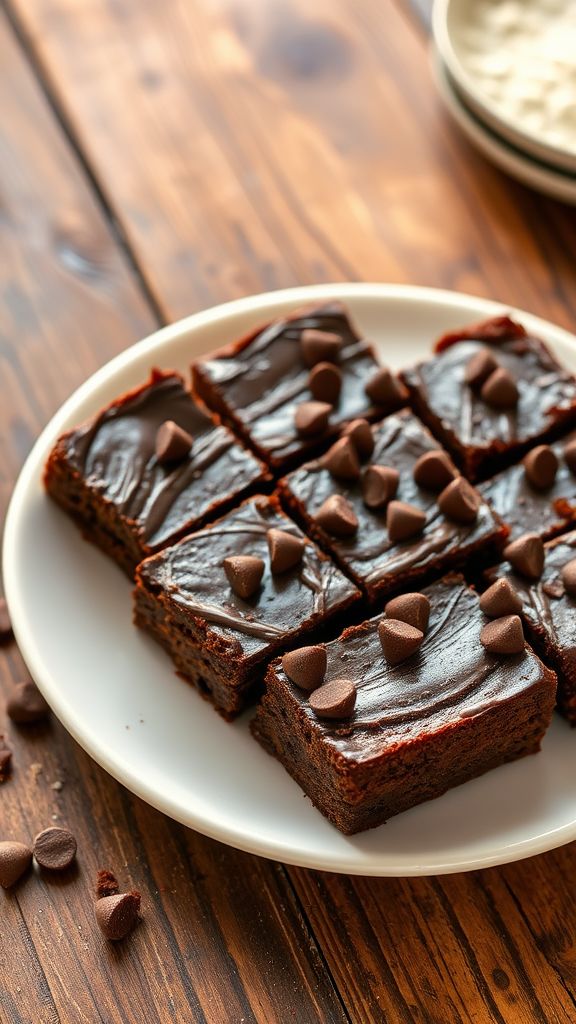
x,y
506,71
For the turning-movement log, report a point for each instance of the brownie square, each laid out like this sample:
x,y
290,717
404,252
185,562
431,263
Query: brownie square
x,y
549,615
482,438
256,384
221,642
527,509
448,713
375,562
106,475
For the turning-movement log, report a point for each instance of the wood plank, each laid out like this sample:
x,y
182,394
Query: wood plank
x,y
222,937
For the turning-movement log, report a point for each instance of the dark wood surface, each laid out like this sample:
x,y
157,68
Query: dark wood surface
x,y
155,158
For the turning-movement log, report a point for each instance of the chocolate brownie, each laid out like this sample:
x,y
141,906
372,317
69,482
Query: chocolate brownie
x,y
490,393
531,502
149,468
379,735
288,387
372,548
549,613
230,597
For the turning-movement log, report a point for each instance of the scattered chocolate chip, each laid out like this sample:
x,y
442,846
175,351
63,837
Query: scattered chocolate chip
x,y
503,636
479,368
55,848
106,884
285,550
459,501
342,460
5,624
554,589
384,388
311,418
325,382
500,391
526,555
399,640
172,443
379,485
15,859
569,453
26,704
411,608
434,471
335,699
360,433
500,599
244,574
540,467
569,577
117,915
306,666
404,521
319,346
337,516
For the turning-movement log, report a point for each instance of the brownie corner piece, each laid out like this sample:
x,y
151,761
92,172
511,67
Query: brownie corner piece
x,y
447,713
263,384
220,630
129,497
490,392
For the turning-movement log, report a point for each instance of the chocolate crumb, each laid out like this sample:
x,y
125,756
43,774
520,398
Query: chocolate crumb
x,y
5,623
5,761
106,884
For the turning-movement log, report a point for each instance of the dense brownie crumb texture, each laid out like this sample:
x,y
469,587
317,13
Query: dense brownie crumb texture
x,y
375,501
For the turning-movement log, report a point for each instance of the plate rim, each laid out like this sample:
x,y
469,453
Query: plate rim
x,y
32,468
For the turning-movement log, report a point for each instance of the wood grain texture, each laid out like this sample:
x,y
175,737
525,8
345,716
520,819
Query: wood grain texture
x,y
241,145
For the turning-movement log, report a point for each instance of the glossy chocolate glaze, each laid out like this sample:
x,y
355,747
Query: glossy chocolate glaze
x,y
262,381
449,679
526,510
547,394
191,575
399,441
115,455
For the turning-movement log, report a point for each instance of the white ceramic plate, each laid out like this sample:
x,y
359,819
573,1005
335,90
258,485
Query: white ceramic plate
x,y
530,172
115,691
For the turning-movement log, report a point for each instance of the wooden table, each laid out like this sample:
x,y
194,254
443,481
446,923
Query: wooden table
x,y
159,156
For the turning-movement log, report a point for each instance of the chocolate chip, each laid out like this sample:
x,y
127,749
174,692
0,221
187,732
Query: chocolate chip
x,y
342,460
172,443
540,467
404,521
325,382
503,636
55,848
337,516
434,471
311,418
500,391
26,704
526,555
5,624
459,501
106,884
15,859
569,453
306,666
244,574
360,433
335,699
479,368
411,608
569,577
379,485
319,346
399,640
285,550
117,915
500,599
384,388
